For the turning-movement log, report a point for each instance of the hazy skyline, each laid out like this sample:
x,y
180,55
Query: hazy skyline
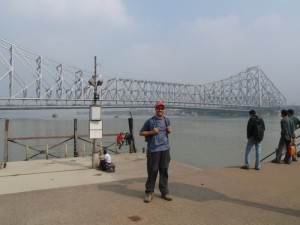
x,y
193,42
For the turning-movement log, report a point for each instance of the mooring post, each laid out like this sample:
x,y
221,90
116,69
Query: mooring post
x,y
5,153
27,152
130,123
47,152
66,150
75,138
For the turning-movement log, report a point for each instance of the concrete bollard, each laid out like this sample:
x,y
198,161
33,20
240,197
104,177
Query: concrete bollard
x,y
95,160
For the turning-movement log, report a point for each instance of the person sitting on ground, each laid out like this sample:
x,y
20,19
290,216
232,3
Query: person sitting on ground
x,y
107,157
104,160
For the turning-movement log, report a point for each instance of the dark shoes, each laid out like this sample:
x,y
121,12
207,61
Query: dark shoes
x,y
275,161
245,167
294,158
287,161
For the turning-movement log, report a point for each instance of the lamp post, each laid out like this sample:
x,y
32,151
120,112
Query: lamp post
x,y
96,96
95,114
94,82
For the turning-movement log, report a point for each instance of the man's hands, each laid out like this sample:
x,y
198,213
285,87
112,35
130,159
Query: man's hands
x,y
169,129
155,130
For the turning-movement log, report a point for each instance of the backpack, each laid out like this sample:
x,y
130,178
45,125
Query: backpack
x,y
258,129
152,125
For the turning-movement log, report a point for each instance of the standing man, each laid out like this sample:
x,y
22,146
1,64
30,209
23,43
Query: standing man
x,y
155,131
296,124
129,139
255,134
287,132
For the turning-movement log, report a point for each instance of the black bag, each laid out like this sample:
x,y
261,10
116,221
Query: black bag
x,y
258,129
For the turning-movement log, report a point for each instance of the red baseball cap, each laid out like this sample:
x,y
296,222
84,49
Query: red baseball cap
x,y
160,104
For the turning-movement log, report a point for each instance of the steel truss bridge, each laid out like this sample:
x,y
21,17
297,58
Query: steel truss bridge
x,y
29,80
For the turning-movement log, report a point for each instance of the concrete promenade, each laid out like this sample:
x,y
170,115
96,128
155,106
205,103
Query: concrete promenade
x,y
67,191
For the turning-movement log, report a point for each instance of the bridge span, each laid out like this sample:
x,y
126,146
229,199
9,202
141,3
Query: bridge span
x,y
29,80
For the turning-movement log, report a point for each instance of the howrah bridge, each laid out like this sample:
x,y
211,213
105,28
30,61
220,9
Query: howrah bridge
x,y
30,80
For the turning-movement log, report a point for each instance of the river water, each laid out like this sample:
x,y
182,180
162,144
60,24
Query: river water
x,y
201,141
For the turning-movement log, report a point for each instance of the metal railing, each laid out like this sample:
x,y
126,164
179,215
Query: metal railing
x,y
32,151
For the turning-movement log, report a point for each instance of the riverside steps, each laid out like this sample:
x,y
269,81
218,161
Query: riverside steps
x,y
68,191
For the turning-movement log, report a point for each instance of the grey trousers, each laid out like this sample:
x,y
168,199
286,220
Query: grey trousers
x,y
158,162
281,148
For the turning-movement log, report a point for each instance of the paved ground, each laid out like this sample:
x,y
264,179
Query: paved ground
x,y
67,191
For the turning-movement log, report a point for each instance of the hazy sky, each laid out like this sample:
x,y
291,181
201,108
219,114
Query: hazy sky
x,y
183,41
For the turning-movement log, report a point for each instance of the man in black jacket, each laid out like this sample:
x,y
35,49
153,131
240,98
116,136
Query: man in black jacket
x,y
255,133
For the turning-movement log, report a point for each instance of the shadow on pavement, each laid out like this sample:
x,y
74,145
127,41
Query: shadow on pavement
x,y
193,193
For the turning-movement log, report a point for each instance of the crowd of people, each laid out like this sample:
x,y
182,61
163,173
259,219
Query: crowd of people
x,y
286,146
289,124
157,128
123,138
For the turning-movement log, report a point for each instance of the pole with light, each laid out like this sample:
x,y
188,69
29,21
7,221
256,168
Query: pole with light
x,y
95,115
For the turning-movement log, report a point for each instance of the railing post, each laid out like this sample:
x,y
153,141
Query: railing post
x,y
47,151
5,153
27,152
66,150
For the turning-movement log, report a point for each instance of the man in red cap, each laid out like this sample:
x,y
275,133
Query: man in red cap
x,y
155,131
